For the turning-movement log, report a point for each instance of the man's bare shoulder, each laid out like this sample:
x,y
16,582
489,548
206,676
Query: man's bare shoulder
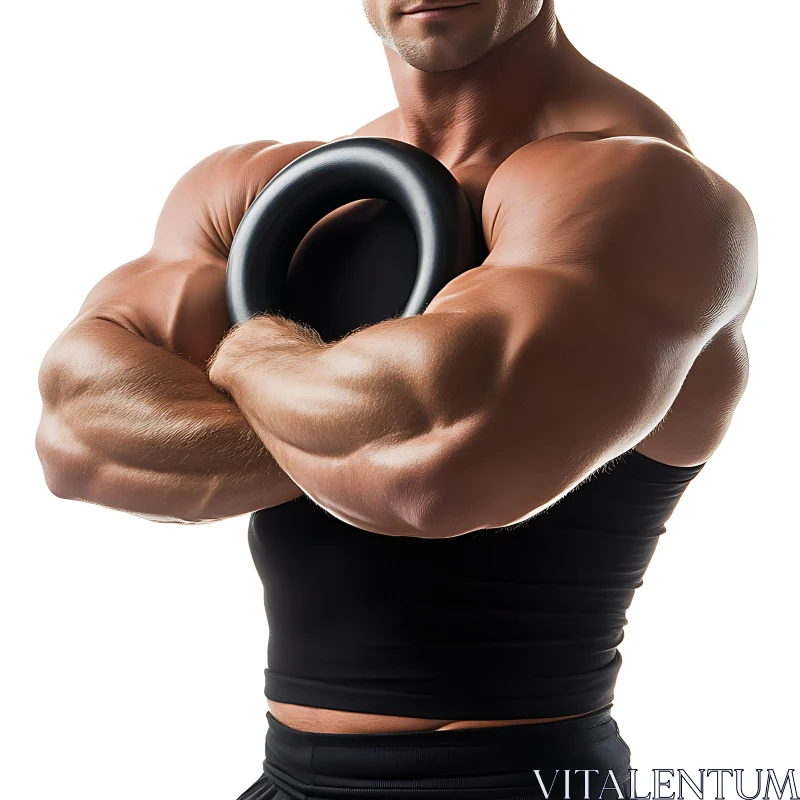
x,y
208,202
174,295
578,173
638,208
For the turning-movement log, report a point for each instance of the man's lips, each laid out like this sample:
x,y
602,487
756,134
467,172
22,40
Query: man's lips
x,y
432,10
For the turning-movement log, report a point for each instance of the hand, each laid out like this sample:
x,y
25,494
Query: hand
x,y
256,341
220,366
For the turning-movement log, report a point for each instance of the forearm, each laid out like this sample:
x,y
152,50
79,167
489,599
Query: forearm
x,y
131,426
373,426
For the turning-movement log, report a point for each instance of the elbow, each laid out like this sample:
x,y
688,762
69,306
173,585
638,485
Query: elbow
x,y
56,485
477,503
433,502
392,500
73,475
439,514
62,476
54,442
444,519
58,478
463,489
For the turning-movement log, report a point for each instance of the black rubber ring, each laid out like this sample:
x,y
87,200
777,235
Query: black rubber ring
x,y
328,177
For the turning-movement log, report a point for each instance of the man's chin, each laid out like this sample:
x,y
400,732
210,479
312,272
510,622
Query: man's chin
x,y
429,60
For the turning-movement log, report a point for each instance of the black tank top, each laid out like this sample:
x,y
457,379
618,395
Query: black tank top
x,y
508,623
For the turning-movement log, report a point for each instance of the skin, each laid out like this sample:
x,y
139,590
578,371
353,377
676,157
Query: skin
x,y
590,328
431,44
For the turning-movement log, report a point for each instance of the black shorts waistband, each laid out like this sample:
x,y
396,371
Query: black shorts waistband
x,y
498,762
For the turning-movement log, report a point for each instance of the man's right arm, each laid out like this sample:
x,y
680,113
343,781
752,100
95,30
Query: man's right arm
x,y
129,419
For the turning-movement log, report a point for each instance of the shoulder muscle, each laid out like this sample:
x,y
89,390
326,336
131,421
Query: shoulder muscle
x,y
612,263
208,202
636,214
174,296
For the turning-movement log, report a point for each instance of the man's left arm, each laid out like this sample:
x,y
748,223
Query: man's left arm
x,y
612,264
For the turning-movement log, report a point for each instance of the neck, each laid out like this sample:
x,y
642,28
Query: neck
x,y
482,109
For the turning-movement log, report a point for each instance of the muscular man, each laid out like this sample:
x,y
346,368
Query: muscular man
x,y
445,563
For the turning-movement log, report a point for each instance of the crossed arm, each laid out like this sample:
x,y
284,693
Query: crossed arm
x,y
129,418
612,265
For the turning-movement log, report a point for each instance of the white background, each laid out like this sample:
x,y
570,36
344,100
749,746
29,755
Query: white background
x,y
132,653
